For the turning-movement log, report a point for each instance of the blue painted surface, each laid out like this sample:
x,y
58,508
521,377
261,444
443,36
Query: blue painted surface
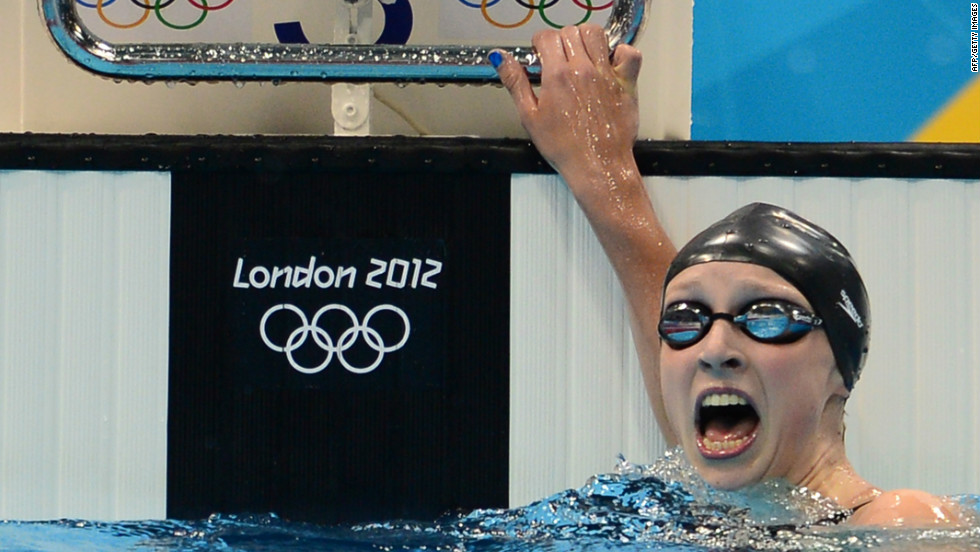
x,y
862,70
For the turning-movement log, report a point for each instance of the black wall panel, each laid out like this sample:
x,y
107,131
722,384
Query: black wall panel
x,y
422,433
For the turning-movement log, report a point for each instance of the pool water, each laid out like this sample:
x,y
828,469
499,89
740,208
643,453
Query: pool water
x,y
663,506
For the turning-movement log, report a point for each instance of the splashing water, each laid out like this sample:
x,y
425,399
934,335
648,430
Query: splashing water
x,y
663,506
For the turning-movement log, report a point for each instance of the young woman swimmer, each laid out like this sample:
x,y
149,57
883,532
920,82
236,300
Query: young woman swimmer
x,y
752,336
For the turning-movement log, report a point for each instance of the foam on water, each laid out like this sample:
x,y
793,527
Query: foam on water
x,y
663,506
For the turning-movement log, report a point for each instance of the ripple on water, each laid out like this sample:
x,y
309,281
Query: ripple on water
x,y
662,506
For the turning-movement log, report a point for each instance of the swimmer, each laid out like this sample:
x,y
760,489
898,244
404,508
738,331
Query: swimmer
x,y
752,337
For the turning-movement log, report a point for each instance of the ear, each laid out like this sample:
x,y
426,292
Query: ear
x,y
837,395
836,385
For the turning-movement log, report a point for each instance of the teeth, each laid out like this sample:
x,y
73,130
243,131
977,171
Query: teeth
x,y
724,445
723,399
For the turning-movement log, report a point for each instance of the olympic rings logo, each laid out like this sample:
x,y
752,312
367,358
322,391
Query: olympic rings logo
x,y
157,7
535,6
311,329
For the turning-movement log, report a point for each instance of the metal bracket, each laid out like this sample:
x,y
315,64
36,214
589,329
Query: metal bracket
x,y
350,104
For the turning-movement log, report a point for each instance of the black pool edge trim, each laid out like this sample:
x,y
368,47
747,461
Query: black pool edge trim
x,y
284,153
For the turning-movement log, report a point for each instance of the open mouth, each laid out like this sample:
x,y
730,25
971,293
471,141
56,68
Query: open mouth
x,y
727,424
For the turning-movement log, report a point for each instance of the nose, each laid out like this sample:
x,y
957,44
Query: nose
x,y
720,347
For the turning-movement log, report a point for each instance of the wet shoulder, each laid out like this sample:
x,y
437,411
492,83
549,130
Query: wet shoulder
x,y
907,508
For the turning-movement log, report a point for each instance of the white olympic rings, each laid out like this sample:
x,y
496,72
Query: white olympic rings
x,y
323,340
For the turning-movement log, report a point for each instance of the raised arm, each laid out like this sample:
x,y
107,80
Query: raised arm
x,y
584,120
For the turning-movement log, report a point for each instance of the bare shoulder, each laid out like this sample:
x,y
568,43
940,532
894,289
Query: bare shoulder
x,y
908,508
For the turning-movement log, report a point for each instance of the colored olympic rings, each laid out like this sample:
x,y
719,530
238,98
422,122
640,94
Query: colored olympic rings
x,y
141,4
157,7
588,14
539,6
544,5
589,6
204,6
330,345
490,20
85,4
204,14
468,4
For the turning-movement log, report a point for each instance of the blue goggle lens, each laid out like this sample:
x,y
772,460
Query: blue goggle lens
x,y
767,321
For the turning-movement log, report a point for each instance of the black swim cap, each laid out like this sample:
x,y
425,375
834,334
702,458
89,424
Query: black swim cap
x,y
804,254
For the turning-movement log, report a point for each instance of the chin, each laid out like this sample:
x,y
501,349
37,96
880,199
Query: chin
x,y
727,474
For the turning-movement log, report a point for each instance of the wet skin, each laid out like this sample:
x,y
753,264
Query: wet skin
x,y
794,389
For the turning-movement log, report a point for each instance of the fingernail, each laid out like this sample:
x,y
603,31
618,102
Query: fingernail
x,y
495,58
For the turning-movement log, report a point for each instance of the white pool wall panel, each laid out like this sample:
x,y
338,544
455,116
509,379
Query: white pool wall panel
x,y
577,396
84,290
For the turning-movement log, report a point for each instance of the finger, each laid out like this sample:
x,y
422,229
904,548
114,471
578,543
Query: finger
x,y
596,44
551,52
514,78
571,41
626,62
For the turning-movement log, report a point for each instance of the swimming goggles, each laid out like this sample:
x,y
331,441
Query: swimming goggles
x,y
766,320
